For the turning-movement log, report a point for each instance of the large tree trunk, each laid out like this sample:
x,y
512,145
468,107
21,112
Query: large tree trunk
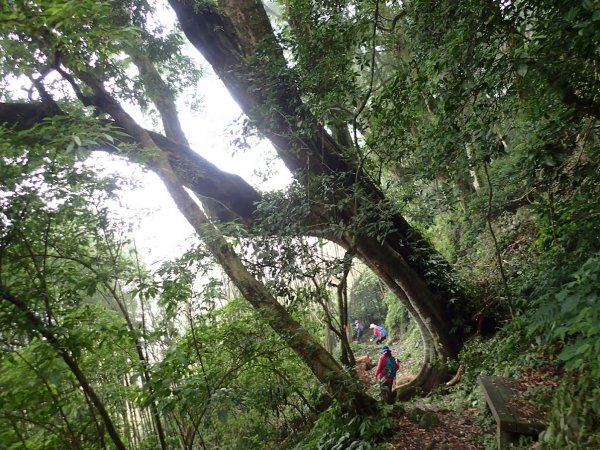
x,y
237,40
326,369
234,199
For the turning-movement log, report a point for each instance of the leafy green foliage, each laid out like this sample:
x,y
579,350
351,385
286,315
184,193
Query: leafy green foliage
x,y
367,300
572,315
54,267
397,320
474,116
327,40
239,381
337,430
569,316
574,421
45,396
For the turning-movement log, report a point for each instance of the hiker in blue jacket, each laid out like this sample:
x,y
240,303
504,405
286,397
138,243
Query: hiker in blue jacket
x,y
379,333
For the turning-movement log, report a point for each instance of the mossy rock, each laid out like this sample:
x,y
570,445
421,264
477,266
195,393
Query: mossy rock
x,y
428,420
415,414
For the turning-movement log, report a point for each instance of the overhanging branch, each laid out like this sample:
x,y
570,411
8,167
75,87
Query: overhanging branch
x,y
228,196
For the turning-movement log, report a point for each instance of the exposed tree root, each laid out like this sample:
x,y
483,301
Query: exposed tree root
x,y
456,378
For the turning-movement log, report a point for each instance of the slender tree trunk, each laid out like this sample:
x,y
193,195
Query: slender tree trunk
x,y
131,411
347,356
75,442
322,364
142,359
39,327
328,339
17,430
97,423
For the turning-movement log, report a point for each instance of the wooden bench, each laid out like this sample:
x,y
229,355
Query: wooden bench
x,y
513,414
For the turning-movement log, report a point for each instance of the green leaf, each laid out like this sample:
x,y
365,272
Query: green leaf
x,y
571,302
223,416
522,69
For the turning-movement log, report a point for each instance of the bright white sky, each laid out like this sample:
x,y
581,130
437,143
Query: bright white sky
x,y
163,231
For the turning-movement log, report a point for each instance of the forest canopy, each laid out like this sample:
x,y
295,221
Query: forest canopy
x,y
444,157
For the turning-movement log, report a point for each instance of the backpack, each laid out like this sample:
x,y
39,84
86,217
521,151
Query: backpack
x,y
390,367
383,331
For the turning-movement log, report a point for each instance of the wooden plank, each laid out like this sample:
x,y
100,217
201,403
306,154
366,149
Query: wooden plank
x,y
506,394
497,406
526,421
504,399
496,403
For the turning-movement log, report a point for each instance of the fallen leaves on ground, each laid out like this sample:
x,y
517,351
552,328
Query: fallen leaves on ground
x,y
454,431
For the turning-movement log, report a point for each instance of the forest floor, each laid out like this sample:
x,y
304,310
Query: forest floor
x,y
466,429
454,431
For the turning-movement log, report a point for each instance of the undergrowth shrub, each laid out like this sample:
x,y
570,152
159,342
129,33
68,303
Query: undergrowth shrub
x,y
397,321
411,351
570,317
501,354
574,420
338,430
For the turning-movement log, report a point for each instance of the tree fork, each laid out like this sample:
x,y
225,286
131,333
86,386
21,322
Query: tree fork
x,y
326,369
237,40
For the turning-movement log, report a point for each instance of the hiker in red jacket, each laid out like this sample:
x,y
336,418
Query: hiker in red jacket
x,y
387,366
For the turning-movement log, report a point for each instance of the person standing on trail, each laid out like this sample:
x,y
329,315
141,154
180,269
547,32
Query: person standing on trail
x,y
358,328
387,366
379,333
